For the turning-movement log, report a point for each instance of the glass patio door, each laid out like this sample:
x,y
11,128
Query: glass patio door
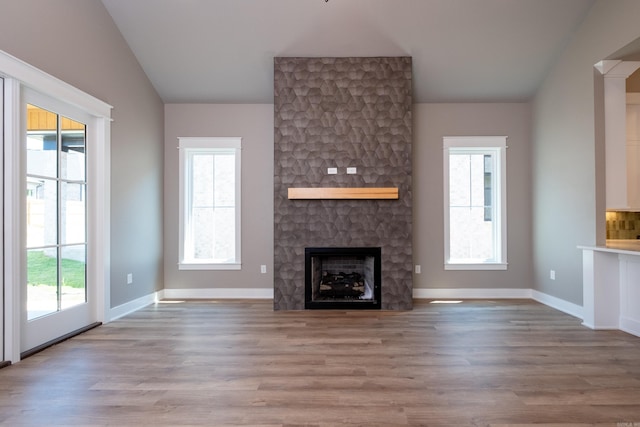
x,y
55,215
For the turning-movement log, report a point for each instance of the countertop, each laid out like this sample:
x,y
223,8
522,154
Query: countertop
x,y
630,247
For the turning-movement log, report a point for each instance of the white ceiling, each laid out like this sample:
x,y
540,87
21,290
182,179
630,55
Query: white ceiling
x,y
221,51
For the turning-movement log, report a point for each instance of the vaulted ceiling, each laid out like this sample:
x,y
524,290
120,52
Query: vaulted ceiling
x,y
221,51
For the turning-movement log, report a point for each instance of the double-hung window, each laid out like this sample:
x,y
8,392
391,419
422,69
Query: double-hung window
x,y
209,203
475,205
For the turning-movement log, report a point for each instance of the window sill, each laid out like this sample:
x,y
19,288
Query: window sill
x,y
478,266
208,266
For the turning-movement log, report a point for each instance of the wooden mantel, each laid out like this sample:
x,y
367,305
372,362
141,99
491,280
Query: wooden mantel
x,y
387,193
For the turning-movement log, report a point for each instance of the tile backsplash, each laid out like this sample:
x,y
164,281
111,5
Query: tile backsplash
x,y
623,225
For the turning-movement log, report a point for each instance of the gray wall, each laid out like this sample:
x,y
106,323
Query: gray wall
x,y
568,201
77,41
431,123
254,123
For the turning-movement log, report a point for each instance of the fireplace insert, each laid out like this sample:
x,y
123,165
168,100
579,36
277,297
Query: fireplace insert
x,y
342,278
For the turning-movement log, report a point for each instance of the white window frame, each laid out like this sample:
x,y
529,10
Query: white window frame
x,y
496,146
187,146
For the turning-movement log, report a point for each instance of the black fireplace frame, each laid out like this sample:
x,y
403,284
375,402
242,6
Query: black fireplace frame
x,y
369,304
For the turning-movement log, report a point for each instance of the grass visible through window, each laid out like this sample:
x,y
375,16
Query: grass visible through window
x,y
42,268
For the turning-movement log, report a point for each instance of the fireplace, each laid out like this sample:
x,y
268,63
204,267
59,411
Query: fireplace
x,y
351,116
342,278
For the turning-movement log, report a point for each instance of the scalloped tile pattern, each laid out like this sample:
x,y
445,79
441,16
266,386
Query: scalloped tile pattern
x,y
342,112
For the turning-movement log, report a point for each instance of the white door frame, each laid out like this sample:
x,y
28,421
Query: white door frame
x,y
19,74
2,330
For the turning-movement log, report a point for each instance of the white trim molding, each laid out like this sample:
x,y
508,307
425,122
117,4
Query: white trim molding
x,y
570,308
499,293
471,293
19,77
36,79
134,305
418,293
630,326
495,148
190,147
221,293
12,222
615,72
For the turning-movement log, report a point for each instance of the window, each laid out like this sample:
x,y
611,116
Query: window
x,y
209,203
56,182
475,207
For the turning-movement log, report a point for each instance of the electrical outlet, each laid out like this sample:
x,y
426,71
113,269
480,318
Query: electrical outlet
x,y
352,171
332,171
552,275
129,278
418,269
263,269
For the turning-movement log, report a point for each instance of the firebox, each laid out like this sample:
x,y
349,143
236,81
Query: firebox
x,y
342,278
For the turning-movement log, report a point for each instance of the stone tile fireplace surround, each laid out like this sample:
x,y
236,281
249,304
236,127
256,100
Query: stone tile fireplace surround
x,y
340,113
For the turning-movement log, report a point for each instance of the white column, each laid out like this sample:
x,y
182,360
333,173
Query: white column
x,y
601,289
615,111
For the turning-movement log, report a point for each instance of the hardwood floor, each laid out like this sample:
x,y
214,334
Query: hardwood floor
x,y
478,363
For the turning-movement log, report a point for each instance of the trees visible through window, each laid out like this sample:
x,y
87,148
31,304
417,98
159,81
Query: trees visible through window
x,y
209,203
475,208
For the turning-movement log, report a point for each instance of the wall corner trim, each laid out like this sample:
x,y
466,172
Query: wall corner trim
x,y
134,305
570,308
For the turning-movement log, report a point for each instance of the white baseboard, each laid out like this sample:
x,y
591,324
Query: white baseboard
x,y
627,325
134,305
470,293
223,293
559,304
630,326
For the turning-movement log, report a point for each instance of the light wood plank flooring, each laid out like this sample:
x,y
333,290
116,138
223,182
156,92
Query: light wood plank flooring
x,y
478,363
